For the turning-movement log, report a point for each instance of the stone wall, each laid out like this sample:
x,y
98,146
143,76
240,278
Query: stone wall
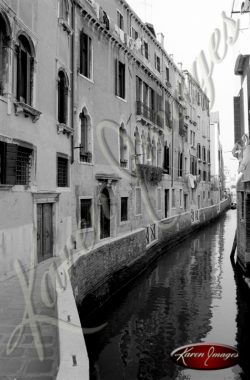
x,y
101,272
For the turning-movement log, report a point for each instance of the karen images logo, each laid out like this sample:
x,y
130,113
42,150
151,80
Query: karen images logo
x,y
205,356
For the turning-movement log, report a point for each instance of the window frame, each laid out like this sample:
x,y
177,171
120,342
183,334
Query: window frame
x,y
64,157
122,220
88,53
120,20
91,198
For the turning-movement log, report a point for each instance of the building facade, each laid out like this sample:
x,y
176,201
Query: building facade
x,y
103,136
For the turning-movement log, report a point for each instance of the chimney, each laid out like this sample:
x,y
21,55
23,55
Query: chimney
x,y
161,39
180,65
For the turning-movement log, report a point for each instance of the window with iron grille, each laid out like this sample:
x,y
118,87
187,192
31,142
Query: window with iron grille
x,y
124,209
86,207
62,172
15,164
23,165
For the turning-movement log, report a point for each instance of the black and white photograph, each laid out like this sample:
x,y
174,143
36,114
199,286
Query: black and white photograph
x,y
124,190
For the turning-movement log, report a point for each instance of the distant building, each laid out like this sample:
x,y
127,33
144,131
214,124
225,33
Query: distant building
x,y
217,164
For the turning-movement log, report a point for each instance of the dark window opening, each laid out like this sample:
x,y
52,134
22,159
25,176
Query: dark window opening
x,y
86,219
15,164
167,74
3,55
166,159
62,98
85,154
124,209
25,68
62,172
120,20
120,82
85,55
180,164
145,46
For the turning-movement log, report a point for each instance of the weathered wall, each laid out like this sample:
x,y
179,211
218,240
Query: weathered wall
x,y
99,273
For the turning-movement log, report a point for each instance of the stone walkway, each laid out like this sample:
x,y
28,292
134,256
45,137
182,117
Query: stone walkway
x,y
38,333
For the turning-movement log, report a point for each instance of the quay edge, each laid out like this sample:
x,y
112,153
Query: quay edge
x,y
99,274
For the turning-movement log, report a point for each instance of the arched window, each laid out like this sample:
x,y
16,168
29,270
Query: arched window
x,y
25,68
123,146
85,142
3,54
62,97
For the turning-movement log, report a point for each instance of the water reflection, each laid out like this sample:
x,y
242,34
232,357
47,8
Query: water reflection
x,y
184,298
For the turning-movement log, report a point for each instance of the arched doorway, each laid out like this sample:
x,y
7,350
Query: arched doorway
x,y
105,214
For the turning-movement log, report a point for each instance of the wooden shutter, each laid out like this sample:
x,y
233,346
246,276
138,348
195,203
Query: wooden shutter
x,y
11,157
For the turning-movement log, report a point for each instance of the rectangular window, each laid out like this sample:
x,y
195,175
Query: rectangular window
x,y
124,209
173,198
158,199
85,55
166,160
62,172
120,20
167,74
120,82
15,164
180,164
86,209
134,33
208,194
157,63
145,47
204,175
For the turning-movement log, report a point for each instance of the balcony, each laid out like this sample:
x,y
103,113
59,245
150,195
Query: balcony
x,y
148,113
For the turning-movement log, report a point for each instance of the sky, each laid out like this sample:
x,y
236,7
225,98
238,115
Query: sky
x,y
188,27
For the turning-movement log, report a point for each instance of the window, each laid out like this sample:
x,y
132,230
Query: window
x,y
86,213
15,164
85,154
120,79
168,114
192,138
124,209
3,55
138,201
167,74
166,159
199,151
134,33
204,175
204,154
62,98
173,198
123,147
193,165
180,164
180,89
145,49
85,55
158,199
208,156
25,67
62,172
120,20
157,63
209,195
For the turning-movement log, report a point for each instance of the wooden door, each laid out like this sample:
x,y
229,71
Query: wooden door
x,y
44,231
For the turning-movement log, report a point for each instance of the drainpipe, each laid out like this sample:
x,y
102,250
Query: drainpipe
x,y
73,81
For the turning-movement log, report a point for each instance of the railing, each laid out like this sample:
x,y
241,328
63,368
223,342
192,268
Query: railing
x,y
149,113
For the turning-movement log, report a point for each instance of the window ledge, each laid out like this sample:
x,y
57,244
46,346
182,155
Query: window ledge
x,y
63,189
27,110
124,222
123,100
63,128
86,78
6,187
65,26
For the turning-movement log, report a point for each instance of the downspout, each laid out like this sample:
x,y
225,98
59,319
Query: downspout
x,y
73,82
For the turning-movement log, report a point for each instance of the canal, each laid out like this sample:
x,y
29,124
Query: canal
x,y
190,295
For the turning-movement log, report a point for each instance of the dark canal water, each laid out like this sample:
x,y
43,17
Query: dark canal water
x,y
190,295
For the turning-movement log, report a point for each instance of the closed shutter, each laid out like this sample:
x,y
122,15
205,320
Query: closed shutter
x,y
11,157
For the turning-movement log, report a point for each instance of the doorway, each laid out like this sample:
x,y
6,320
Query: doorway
x,y
105,214
44,231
